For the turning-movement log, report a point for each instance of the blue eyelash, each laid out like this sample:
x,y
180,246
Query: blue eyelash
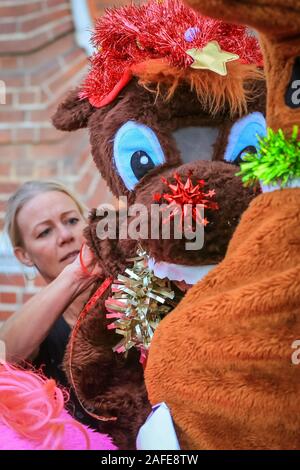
x,y
136,151
244,134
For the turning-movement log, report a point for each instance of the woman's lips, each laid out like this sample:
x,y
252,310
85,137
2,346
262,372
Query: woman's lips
x,y
70,256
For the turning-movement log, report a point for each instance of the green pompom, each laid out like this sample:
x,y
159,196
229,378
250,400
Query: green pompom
x,y
276,162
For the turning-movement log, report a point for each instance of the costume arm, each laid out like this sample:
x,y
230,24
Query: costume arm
x,y
222,360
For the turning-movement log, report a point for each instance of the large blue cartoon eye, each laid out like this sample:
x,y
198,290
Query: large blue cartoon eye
x,y
136,151
243,137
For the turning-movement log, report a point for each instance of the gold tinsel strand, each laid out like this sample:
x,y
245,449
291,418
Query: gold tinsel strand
x,y
138,303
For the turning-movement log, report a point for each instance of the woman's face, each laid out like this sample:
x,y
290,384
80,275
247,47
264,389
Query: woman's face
x,y
51,227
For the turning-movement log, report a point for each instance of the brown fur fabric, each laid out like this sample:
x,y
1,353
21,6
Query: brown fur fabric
x,y
72,113
240,390
211,94
278,21
136,104
277,17
106,382
109,254
222,223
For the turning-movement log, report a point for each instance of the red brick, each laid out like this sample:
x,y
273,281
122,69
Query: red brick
x,y
8,28
63,28
43,19
53,3
83,185
76,162
8,99
101,195
12,280
27,97
5,315
70,72
8,62
7,45
85,155
51,51
24,136
45,72
47,151
52,108
25,168
47,170
44,97
61,45
73,69
8,297
78,151
97,7
13,80
39,115
26,297
5,136
73,55
3,205
15,45
20,10
39,282
68,145
8,188
11,152
10,116
50,134
5,169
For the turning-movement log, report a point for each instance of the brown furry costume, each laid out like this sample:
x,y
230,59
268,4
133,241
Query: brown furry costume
x,y
109,384
242,390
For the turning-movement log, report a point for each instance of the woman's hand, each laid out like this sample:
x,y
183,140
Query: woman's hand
x,y
83,272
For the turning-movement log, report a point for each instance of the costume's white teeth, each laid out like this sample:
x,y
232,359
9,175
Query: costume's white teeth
x,y
179,272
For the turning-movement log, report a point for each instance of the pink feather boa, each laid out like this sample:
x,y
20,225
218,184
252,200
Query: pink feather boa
x,y
32,415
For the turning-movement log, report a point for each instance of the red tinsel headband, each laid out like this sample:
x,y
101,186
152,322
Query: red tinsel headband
x,y
170,31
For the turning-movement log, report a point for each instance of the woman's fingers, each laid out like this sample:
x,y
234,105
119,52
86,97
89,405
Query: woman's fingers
x,y
86,255
89,263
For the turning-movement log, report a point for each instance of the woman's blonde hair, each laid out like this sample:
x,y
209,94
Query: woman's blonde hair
x,y
24,194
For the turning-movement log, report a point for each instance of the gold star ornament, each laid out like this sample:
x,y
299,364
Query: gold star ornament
x,y
211,57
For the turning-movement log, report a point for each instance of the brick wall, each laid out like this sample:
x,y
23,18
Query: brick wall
x,y
15,289
39,62
97,7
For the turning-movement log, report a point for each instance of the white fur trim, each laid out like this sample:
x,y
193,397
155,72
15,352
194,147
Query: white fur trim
x,y
295,183
179,272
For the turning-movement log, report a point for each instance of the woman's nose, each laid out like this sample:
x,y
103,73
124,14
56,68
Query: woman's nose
x,y
65,235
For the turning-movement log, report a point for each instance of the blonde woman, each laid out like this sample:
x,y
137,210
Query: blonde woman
x,y
45,222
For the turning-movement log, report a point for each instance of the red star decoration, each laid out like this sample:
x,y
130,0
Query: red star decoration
x,y
183,193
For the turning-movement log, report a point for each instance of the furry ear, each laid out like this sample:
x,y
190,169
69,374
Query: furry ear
x,y
73,113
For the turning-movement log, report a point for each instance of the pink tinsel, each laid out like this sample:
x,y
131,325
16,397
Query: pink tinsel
x,y
32,415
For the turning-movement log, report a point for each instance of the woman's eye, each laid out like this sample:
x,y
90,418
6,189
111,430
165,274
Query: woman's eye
x,y
136,152
244,137
73,220
44,233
